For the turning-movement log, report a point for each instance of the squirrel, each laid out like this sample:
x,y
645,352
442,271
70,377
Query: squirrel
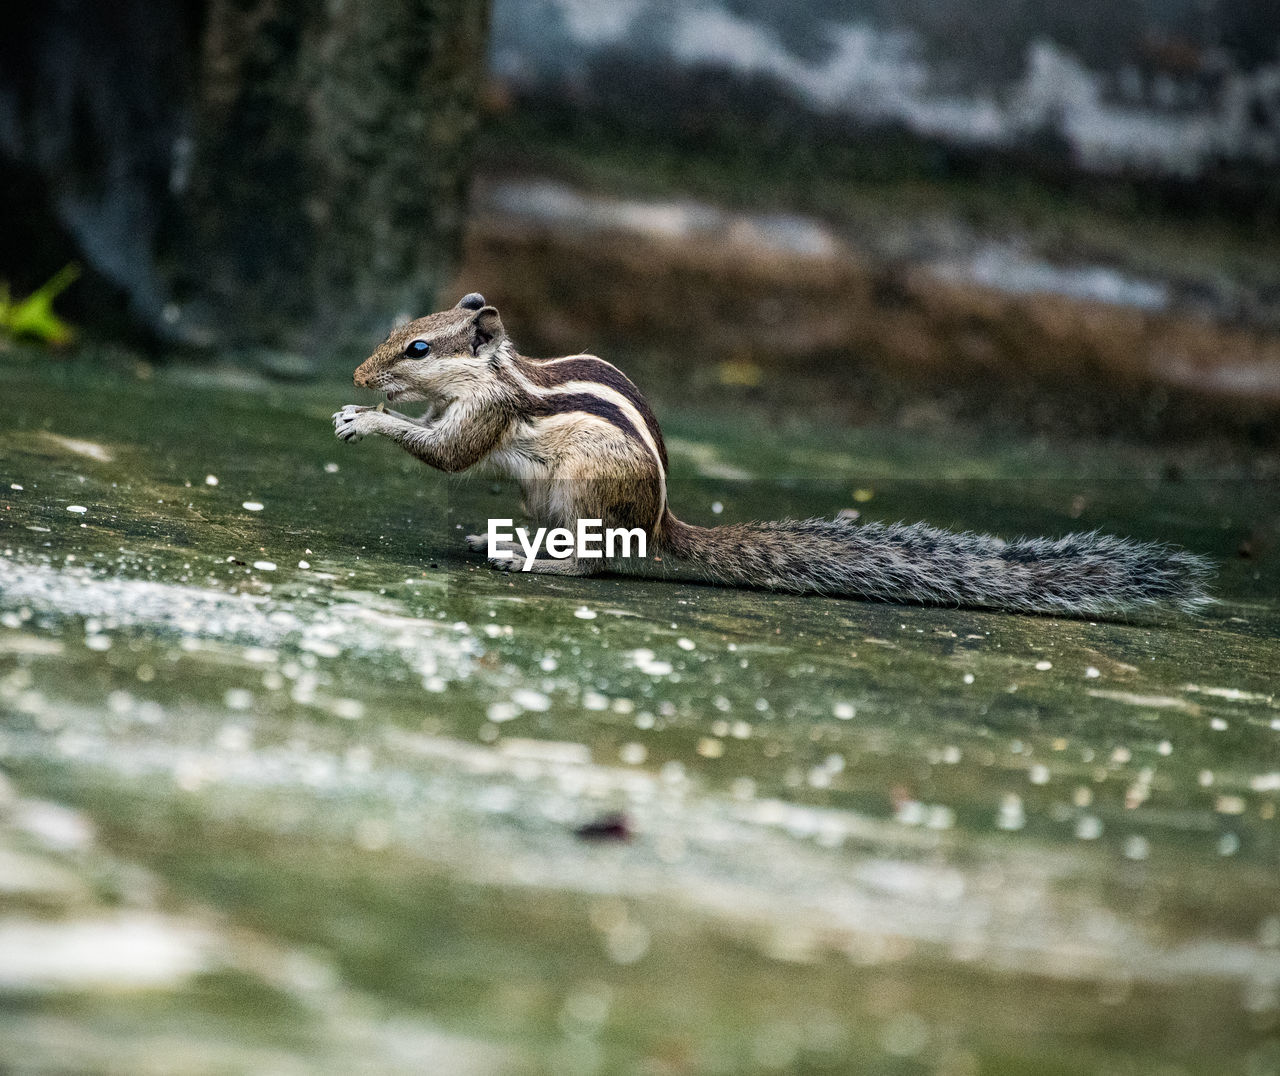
x,y
582,443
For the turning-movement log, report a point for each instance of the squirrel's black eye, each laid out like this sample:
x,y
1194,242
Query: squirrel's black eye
x,y
417,348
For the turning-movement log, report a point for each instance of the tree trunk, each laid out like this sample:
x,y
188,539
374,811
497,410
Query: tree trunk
x,y
248,173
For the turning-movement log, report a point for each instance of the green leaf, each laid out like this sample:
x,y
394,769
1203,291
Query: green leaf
x,y
34,316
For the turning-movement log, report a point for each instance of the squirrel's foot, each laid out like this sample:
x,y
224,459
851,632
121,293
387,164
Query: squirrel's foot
x,y
353,422
544,566
506,556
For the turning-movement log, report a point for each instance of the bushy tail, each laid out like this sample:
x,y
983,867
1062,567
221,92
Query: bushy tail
x,y
1079,575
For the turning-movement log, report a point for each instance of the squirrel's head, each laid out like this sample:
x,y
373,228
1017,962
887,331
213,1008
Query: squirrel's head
x,y
423,358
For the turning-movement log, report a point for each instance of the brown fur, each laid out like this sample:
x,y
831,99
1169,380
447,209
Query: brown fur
x,y
581,441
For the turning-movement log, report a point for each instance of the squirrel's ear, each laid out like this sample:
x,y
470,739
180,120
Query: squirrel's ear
x,y
486,327
471,301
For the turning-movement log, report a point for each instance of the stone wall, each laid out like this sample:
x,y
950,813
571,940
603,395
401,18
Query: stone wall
x,y
1165,87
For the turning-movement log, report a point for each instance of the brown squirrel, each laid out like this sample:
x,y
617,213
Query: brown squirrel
x,y
582,443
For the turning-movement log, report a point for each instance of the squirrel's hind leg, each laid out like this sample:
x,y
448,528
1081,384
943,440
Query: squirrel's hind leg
x,y
514,561
547,566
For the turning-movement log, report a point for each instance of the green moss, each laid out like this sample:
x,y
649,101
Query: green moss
x,y
360,778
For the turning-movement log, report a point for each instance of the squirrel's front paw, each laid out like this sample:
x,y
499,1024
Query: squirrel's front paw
x,y
352,422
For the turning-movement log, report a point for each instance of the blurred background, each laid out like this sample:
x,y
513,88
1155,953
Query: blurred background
x,y
1054,218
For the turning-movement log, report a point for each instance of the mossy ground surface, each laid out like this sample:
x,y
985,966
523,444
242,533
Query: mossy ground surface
x,y
323,769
